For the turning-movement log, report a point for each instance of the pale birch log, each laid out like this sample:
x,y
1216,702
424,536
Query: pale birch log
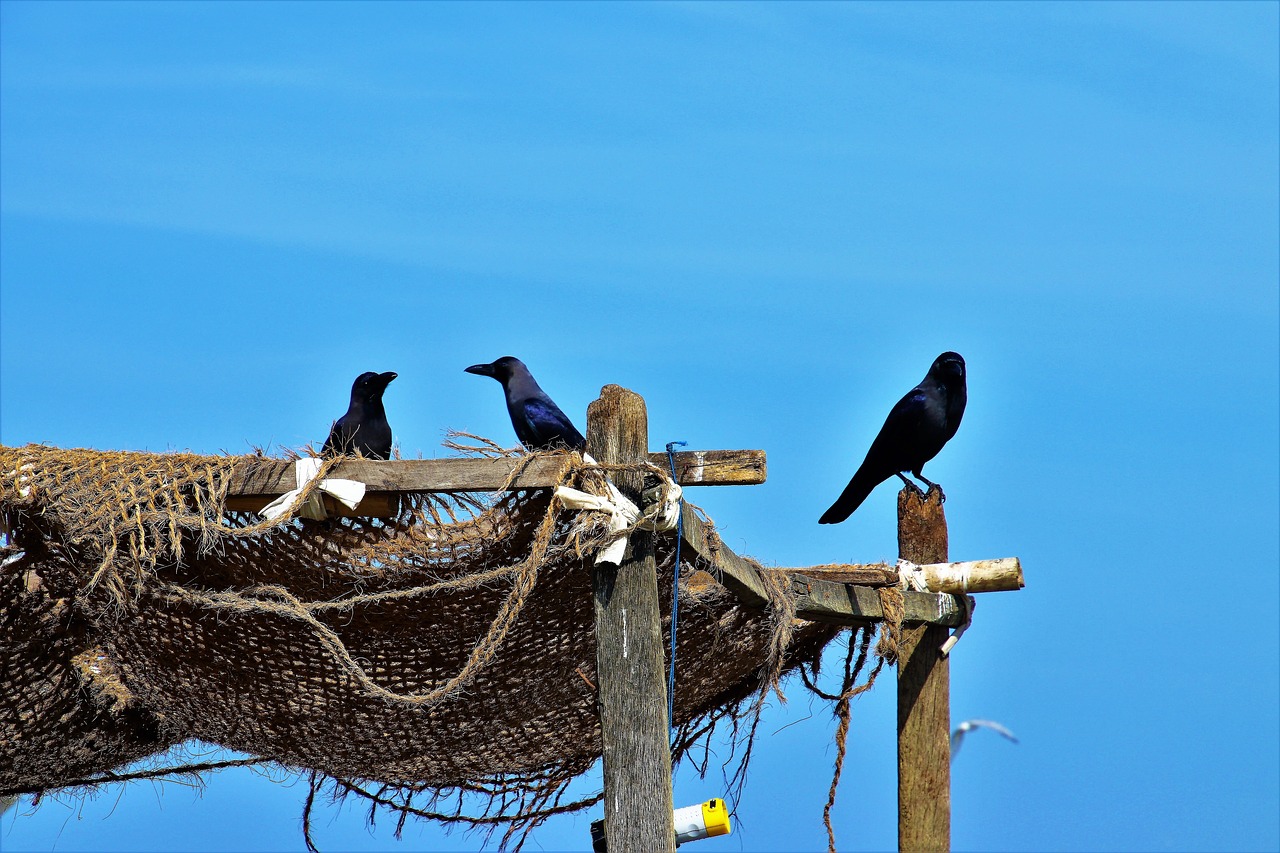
x,y
998,575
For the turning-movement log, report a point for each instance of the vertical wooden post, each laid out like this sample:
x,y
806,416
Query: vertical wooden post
x,y
924,694
629,653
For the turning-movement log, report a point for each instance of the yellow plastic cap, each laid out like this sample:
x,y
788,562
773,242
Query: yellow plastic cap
x,y
716,817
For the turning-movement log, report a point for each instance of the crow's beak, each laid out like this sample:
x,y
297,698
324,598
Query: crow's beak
x,y
481,369
387,377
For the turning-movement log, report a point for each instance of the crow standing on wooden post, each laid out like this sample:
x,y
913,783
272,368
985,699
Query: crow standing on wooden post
x,y
538,421
916,429
364,427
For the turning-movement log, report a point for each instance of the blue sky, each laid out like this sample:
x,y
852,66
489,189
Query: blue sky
x,y
767,219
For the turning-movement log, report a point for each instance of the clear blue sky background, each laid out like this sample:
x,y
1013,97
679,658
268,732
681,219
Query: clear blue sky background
x,y
767,219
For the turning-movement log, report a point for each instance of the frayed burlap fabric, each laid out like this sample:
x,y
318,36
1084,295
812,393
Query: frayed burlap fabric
x,y
449,647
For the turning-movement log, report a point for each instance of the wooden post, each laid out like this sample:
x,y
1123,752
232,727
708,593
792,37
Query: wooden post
x,y
629,653
924,694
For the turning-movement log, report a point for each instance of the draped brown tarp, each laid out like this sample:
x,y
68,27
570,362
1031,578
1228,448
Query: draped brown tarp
x,y
449,647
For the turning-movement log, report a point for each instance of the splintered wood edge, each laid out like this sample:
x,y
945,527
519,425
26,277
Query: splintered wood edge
x,y
817,600
872,574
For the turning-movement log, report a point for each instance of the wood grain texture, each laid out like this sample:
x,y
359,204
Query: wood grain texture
x,y
848,604
924,694
273,477
872,574
999,575
716,467
629,653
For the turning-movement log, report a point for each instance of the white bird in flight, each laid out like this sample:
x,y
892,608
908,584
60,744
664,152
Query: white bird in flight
x,y
957,736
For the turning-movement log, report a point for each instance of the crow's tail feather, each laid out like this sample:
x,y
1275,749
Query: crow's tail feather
x,y
852,497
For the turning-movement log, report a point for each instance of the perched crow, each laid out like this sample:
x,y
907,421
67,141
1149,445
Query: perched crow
x,y
364,427
538,421
914,432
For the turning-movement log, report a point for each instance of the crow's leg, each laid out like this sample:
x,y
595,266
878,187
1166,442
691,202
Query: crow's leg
x,y
910,485
942,496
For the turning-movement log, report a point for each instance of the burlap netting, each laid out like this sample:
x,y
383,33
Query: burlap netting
x,y
450,647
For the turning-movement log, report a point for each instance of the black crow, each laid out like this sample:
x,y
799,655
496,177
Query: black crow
x,y
364,427
916,429
538,421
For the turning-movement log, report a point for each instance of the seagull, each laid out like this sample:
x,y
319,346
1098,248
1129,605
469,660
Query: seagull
x,y
957,736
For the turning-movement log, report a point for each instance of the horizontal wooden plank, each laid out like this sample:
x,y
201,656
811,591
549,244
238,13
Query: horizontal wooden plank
x,y
865,574
275,477
818,600
716,467
1002,574
848,604
270,478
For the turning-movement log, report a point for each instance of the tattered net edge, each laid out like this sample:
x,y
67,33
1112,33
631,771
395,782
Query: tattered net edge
x,y
143,530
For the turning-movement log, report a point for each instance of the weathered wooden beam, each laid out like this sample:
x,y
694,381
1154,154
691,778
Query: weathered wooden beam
x,y
924,693
864,574
273,477
847,604
270,478
265,480
735,573
716,467
999,575
818,600
629,653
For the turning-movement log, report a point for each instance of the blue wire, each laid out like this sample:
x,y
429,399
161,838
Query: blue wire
x,y
675,593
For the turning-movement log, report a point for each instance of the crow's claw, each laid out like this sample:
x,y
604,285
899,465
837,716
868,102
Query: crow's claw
x,y
910,484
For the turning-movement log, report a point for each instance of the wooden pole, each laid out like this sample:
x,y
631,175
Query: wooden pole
x,y
1000,575
924,693
629,653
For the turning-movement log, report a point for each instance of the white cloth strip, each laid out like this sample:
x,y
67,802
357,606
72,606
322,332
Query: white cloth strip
x,y
911,576
623,513
347,492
